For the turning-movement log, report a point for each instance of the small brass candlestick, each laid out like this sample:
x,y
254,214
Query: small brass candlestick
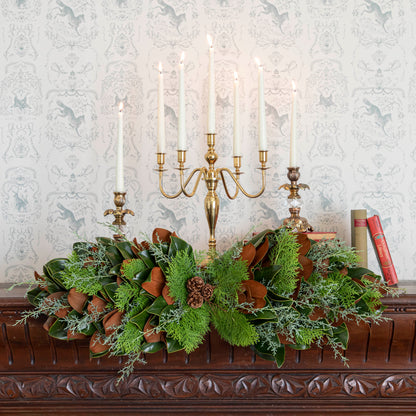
x,y
119,213
211,176
295,221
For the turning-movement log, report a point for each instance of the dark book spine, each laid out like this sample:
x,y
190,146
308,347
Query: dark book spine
x,y
382,251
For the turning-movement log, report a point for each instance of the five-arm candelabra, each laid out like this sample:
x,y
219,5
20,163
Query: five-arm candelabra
x,y
211,175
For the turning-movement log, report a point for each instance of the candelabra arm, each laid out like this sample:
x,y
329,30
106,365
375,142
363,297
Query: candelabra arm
x,y
163,191
239,187
201,171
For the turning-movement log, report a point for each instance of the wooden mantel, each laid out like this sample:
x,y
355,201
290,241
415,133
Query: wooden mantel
x,y
40,375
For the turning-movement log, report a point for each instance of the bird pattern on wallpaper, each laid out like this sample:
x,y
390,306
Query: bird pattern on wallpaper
x,y
67,64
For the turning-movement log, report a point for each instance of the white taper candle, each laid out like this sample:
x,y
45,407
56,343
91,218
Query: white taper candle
x,y
237,138
211,88
292,156
161,140
119,159
262,112
181,115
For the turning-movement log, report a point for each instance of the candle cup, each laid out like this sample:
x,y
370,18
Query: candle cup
x,y
119,213
181,158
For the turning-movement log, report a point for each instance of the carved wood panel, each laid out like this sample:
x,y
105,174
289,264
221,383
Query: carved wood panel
x,y
40,374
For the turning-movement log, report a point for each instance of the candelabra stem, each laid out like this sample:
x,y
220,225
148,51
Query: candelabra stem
x,y
295,221
212,202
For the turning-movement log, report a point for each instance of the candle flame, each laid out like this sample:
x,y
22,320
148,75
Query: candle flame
x,y
121,106
160,67
258,62
293,86
209,38
236,75
182,58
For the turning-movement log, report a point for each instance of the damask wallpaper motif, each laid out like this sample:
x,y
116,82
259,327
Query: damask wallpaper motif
x,y
66,64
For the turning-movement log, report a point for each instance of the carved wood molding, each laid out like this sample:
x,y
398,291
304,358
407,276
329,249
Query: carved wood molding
x,y
196,386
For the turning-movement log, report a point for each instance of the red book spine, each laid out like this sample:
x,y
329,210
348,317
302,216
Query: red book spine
x,y
382,250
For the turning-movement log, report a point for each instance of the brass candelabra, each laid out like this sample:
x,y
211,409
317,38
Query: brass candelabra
x,y
295,221
119,213
211,175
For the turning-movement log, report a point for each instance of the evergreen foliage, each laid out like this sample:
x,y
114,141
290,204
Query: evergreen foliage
x,y
84,279
338,253
285,254
181,268
226,273
191,328
125,294
233,327
129,340
264,314
131,267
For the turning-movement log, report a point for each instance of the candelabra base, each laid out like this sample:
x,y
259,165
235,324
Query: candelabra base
x,y
296,222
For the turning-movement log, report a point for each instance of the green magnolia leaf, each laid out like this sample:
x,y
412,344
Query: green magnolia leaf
x,y
267,274
172,345
157,306
110,290
341,335
299,346
115,270
36,295
281,300
167,309
178,244
114,255
82,248
362,307
141,277
98,354
279,356
164,265
258,238
148,259
359,272
53,267
304,310
105,241
152,347
105,280
125,249
261,316
265,355
140,319
58,330
52,287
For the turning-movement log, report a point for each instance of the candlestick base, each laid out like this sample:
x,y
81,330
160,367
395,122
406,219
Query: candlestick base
x,y
119,213
295,221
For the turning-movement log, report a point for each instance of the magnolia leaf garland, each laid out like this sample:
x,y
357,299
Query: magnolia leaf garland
x,y
280,290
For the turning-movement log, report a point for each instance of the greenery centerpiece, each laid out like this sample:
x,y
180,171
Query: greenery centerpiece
x,y
279,290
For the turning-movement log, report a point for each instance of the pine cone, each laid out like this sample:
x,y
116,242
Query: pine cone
x,y
195,300
195,284
207,291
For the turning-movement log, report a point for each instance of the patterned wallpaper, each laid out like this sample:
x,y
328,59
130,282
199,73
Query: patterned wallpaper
x,y
66,64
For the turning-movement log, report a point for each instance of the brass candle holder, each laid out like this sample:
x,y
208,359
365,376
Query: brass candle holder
x,y
119,213
211,176
295,221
